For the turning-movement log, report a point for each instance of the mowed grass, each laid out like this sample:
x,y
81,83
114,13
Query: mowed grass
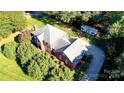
x,y
43,21
9,70
32,21
9,38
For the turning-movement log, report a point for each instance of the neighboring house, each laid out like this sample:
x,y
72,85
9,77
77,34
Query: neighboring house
x,y
89,30
54,40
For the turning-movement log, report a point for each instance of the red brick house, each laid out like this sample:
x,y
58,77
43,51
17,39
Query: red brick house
x,y
72,54
51,39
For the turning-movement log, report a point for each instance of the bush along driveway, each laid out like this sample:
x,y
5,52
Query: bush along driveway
x,y
96,64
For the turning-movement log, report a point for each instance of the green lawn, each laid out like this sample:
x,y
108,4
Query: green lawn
x,y
33,21
9,70
41,22
9,38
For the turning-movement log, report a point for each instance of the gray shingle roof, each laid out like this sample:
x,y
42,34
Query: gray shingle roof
x,y
53,36
75,50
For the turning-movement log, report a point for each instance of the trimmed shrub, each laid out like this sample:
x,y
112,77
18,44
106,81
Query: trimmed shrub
x,y
26,51
9,50
43,67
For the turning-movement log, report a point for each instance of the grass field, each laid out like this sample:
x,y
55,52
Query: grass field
x,y
33,21
41,22
9,70
9,38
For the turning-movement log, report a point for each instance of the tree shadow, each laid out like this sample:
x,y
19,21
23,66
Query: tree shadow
x,y
2,48
116,47
22,66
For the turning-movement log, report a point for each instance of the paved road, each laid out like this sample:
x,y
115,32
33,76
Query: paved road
x,y
94,68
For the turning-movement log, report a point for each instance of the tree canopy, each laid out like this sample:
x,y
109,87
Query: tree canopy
x,y
25,51
119,61
73,17
44,67
9,50
11,22
117,28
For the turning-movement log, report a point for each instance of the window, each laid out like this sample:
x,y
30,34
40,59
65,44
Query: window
x,y
92,33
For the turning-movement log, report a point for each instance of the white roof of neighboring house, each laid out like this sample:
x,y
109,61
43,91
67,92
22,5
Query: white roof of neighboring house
x,y
89,30
75,50
54,36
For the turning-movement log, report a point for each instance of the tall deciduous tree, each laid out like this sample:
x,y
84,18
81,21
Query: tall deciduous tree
x,y
117,28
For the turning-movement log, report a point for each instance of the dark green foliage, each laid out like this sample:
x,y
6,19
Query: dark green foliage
x,y
73,17
43,67
119,61
34,70
38,67
9,50
11,22
78,74
64,16
62,72
25,51
89,58
116,29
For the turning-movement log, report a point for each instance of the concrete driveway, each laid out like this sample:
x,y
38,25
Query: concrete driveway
x,y
96,64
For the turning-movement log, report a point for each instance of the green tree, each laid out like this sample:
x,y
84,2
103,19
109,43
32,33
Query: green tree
x,y
62,72
119,61
48,68
116,29
34,70
9,50
64,16
75,18
39,66
11,22
25,51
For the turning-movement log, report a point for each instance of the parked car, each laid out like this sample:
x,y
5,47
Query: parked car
x,y
89,30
